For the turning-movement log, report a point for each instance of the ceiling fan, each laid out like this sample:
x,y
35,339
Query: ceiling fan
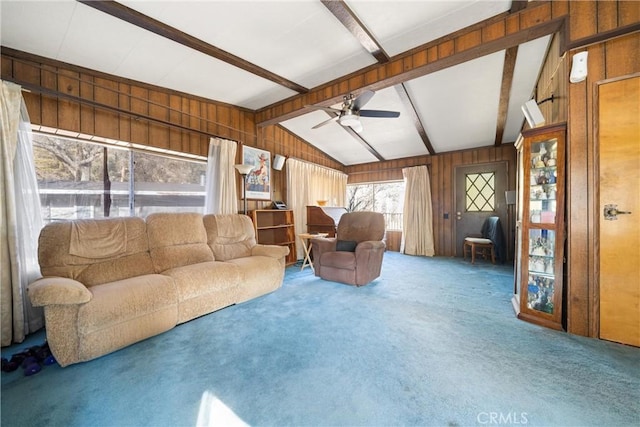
x,y
351,111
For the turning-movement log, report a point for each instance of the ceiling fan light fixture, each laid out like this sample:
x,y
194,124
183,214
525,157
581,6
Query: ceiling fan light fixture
x,y
357,127
348,118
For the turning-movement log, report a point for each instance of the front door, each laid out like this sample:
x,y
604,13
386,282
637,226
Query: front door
x,y
619,225
480,193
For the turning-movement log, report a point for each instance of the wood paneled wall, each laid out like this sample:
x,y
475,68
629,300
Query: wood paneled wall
x,y
441,170
553,82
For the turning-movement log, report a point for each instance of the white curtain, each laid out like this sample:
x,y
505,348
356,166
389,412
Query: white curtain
x,y
21,219
306,184
417,222
220,194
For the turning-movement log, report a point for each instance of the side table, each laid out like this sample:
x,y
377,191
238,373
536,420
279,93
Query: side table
x,y
304,238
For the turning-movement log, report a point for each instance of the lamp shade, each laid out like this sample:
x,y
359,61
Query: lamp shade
x,y
244,169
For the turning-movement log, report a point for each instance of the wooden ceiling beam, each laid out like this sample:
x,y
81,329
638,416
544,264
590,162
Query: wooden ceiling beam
x,y
510,57
140,20
411,109
345,15
492,36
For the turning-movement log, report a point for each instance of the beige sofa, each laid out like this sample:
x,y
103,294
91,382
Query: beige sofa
x,y
109,283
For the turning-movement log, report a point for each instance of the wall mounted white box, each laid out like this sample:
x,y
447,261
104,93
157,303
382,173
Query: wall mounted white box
x,y
579,67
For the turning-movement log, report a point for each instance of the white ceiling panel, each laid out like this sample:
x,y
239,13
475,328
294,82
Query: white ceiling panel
x,y
393,138
213,79
402,25
458,105
44,18
299,40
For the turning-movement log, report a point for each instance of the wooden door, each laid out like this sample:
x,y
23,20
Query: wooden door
x,y
469,221
619,267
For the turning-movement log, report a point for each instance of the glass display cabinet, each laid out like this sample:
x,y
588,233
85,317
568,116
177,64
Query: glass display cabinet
x,y
539,271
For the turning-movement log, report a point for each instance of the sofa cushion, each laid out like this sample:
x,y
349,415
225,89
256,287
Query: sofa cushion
x,y
176,240
116,302
205,287
95,251
124,312
259,275
229,236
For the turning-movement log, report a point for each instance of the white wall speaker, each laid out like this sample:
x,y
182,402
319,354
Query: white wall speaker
x,y
278,162
579,67
532,113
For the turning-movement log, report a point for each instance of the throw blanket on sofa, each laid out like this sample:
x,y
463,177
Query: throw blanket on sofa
x,y
98,239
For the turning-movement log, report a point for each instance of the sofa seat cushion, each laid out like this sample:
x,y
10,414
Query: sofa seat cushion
x,y
116,302
122,313
344,260
259,275
204,287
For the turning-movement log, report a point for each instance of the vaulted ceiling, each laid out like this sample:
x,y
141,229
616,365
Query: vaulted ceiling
x,y
254,54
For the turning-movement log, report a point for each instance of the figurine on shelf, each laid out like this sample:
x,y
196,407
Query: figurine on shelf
x,y
542,178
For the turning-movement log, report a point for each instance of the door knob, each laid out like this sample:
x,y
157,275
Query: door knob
x,y
611,212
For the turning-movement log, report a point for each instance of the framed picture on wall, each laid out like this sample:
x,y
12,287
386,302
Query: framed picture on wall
x,y
259,178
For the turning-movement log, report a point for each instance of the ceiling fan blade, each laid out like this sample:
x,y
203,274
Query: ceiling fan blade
x,y
378,113
325,122
362,99
327,109
357,127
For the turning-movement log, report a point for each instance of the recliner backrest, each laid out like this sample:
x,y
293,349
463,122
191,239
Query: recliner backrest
x,y
361,226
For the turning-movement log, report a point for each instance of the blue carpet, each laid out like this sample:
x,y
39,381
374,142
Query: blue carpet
x,y
432,342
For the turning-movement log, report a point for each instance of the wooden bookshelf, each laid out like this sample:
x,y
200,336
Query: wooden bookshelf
x,y
275,227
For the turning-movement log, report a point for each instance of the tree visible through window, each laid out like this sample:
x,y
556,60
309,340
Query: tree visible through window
x,y
78,179
480,189
385,197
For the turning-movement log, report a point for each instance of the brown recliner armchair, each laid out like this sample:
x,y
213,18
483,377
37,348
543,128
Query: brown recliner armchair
x,y
354,256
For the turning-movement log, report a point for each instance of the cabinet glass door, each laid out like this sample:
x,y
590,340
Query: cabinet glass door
x,y
541,285
543,173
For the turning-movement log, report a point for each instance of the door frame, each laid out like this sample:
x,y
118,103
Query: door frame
x,y
504,219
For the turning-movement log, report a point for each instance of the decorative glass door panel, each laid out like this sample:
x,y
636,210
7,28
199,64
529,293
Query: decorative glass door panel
x,y
541,286
543,179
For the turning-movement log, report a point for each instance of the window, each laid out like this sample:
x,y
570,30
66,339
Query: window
x,y
384,197
480,189
79,179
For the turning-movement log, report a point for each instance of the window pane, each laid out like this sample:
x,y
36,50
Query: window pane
x,y
480,188
71,177
165,184
386,198
73,182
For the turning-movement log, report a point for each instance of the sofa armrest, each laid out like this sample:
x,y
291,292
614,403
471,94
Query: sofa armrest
x,y
58,290
273,251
